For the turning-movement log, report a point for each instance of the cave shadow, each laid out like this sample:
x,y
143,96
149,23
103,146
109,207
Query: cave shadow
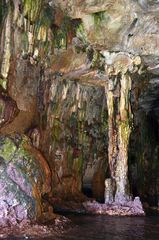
x,y
143,158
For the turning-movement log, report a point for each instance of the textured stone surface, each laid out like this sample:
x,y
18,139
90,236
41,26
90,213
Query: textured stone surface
x,y
130,25
109,191
8,110
26,230
24,178
76,129
129,208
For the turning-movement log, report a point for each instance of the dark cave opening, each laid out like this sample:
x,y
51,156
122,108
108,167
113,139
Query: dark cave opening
x,y
95,189
87,191
98,196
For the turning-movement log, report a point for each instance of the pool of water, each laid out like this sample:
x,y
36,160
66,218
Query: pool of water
x,y
111,228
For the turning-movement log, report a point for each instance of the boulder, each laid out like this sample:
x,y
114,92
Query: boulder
x,y
24,179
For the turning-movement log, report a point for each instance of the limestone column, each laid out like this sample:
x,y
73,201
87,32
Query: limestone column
x,y
119,128
124,129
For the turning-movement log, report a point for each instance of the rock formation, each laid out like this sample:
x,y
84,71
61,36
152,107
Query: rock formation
x,y
79,81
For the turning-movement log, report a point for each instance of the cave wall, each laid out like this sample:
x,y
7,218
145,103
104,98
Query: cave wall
x,y
143,159
74,124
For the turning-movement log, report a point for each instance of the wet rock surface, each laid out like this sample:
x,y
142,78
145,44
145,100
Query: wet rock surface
x,y
27,230
24,179
129,208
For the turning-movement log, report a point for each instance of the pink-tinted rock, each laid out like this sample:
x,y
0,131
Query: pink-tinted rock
x,y
24,178
26,229
129,208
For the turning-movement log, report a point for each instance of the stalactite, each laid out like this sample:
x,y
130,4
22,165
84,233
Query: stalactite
x,y
7,45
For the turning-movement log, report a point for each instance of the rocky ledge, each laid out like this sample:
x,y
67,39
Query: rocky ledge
x,y
127,208
27,229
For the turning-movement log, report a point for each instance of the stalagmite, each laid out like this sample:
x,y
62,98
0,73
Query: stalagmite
x,y
109,191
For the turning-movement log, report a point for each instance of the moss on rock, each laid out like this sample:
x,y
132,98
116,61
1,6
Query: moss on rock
x,y
23,177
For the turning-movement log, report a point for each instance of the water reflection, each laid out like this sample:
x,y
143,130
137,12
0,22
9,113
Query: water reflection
x,y
113,228
110,228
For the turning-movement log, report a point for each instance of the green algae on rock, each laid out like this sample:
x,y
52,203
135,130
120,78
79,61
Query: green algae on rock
x,y
79,134
22,181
